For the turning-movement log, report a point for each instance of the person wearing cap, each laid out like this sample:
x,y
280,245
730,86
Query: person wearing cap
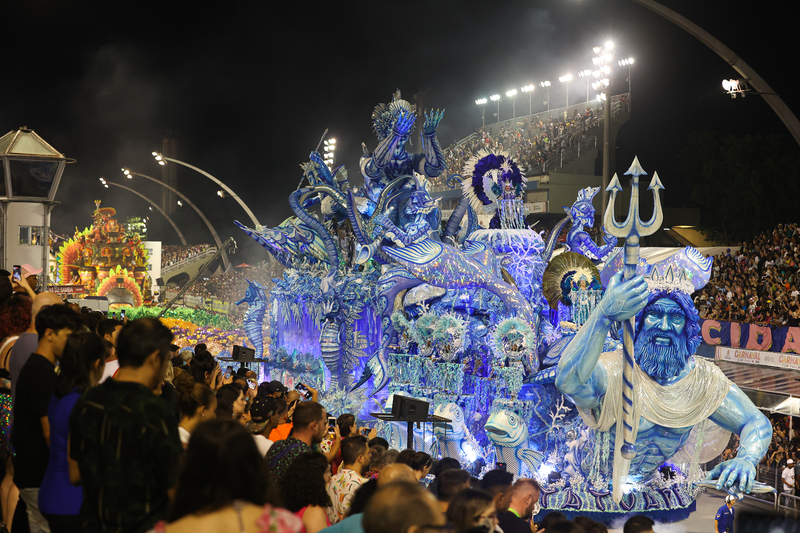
x,y
788,478
263,419
276,389
723,521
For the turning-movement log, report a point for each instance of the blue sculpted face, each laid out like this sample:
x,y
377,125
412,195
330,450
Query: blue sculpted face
x,y
661,345
583,213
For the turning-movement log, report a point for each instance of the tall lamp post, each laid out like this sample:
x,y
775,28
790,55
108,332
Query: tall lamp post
x,y
587,74
602,61
151,202
513,95
546,85
566,79
226,263
330,148
482,102
496,98
162,160
529,89
627,63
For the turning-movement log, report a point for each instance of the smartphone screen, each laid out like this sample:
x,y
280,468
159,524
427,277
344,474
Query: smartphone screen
x,y
251,383
331,422
17,272
228,373
365,431
303,390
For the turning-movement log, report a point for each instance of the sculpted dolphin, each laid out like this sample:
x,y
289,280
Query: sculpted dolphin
x,y
509,434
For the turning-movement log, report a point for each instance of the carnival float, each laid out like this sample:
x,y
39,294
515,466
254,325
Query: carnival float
x,y
104,261
479,322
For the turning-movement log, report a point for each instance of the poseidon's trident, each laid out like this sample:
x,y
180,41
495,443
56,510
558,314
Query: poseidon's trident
x,y
631,231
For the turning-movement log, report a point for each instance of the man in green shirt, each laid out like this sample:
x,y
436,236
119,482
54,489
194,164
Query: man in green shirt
x,y
124,438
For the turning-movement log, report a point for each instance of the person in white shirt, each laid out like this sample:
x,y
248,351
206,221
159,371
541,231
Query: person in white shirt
x,y
788,479
109,329
196,403
263,419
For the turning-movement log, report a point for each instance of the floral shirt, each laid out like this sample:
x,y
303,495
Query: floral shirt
x,y
341,489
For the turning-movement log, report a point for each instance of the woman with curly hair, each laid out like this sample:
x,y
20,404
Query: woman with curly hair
x,y
224,486
304,490
196,403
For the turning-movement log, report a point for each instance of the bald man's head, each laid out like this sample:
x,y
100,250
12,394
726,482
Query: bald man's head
x,y
401,507
43,299
395,472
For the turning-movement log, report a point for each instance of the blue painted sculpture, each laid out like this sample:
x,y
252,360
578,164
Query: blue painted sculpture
x,y
381,297
256,300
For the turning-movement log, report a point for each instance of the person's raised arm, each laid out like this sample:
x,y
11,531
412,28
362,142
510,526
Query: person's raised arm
x,y
579,376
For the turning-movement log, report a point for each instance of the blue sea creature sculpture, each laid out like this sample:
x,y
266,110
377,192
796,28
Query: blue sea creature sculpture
x,y
256,298
455,439
509,434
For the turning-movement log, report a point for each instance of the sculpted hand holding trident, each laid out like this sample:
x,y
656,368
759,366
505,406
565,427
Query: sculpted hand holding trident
x,y
669,391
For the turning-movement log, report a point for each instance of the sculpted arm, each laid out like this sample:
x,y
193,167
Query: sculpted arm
x,y
383,154
433,164
579,376
738,415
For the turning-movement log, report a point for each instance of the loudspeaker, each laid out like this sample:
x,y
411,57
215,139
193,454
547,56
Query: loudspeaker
x,y
409,408
243,352
160,282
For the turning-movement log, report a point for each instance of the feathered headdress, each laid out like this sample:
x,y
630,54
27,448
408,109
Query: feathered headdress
x,y
493,176
385,115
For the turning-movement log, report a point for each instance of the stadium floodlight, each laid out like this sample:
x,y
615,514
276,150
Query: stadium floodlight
x,y
482,102
127,172
512,94
221,194
546,84
566,79
496,98
529,89
735,87
626,62
180,204
609,45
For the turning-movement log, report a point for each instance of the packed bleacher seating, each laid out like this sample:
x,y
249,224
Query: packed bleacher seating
x,y
171,255
530,142
758,283
231,286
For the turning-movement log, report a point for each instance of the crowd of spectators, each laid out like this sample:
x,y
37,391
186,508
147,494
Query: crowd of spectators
x,y
530,142
131,435
231,286
175,253
758,283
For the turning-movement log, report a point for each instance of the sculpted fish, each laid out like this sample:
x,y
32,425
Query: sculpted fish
x,y
454,436
509,434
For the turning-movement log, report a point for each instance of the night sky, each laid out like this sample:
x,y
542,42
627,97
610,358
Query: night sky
x,y
248,88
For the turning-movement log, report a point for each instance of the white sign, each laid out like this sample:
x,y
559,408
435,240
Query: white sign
x,y
755,357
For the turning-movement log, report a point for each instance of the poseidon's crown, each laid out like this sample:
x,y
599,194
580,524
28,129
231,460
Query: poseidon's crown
x,y
686,271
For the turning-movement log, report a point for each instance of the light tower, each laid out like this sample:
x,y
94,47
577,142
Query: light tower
x,y
32,171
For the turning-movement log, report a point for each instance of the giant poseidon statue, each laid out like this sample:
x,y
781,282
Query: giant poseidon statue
x,y
673,390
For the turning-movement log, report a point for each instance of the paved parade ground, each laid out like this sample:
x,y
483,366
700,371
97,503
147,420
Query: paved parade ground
x,y
702,520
